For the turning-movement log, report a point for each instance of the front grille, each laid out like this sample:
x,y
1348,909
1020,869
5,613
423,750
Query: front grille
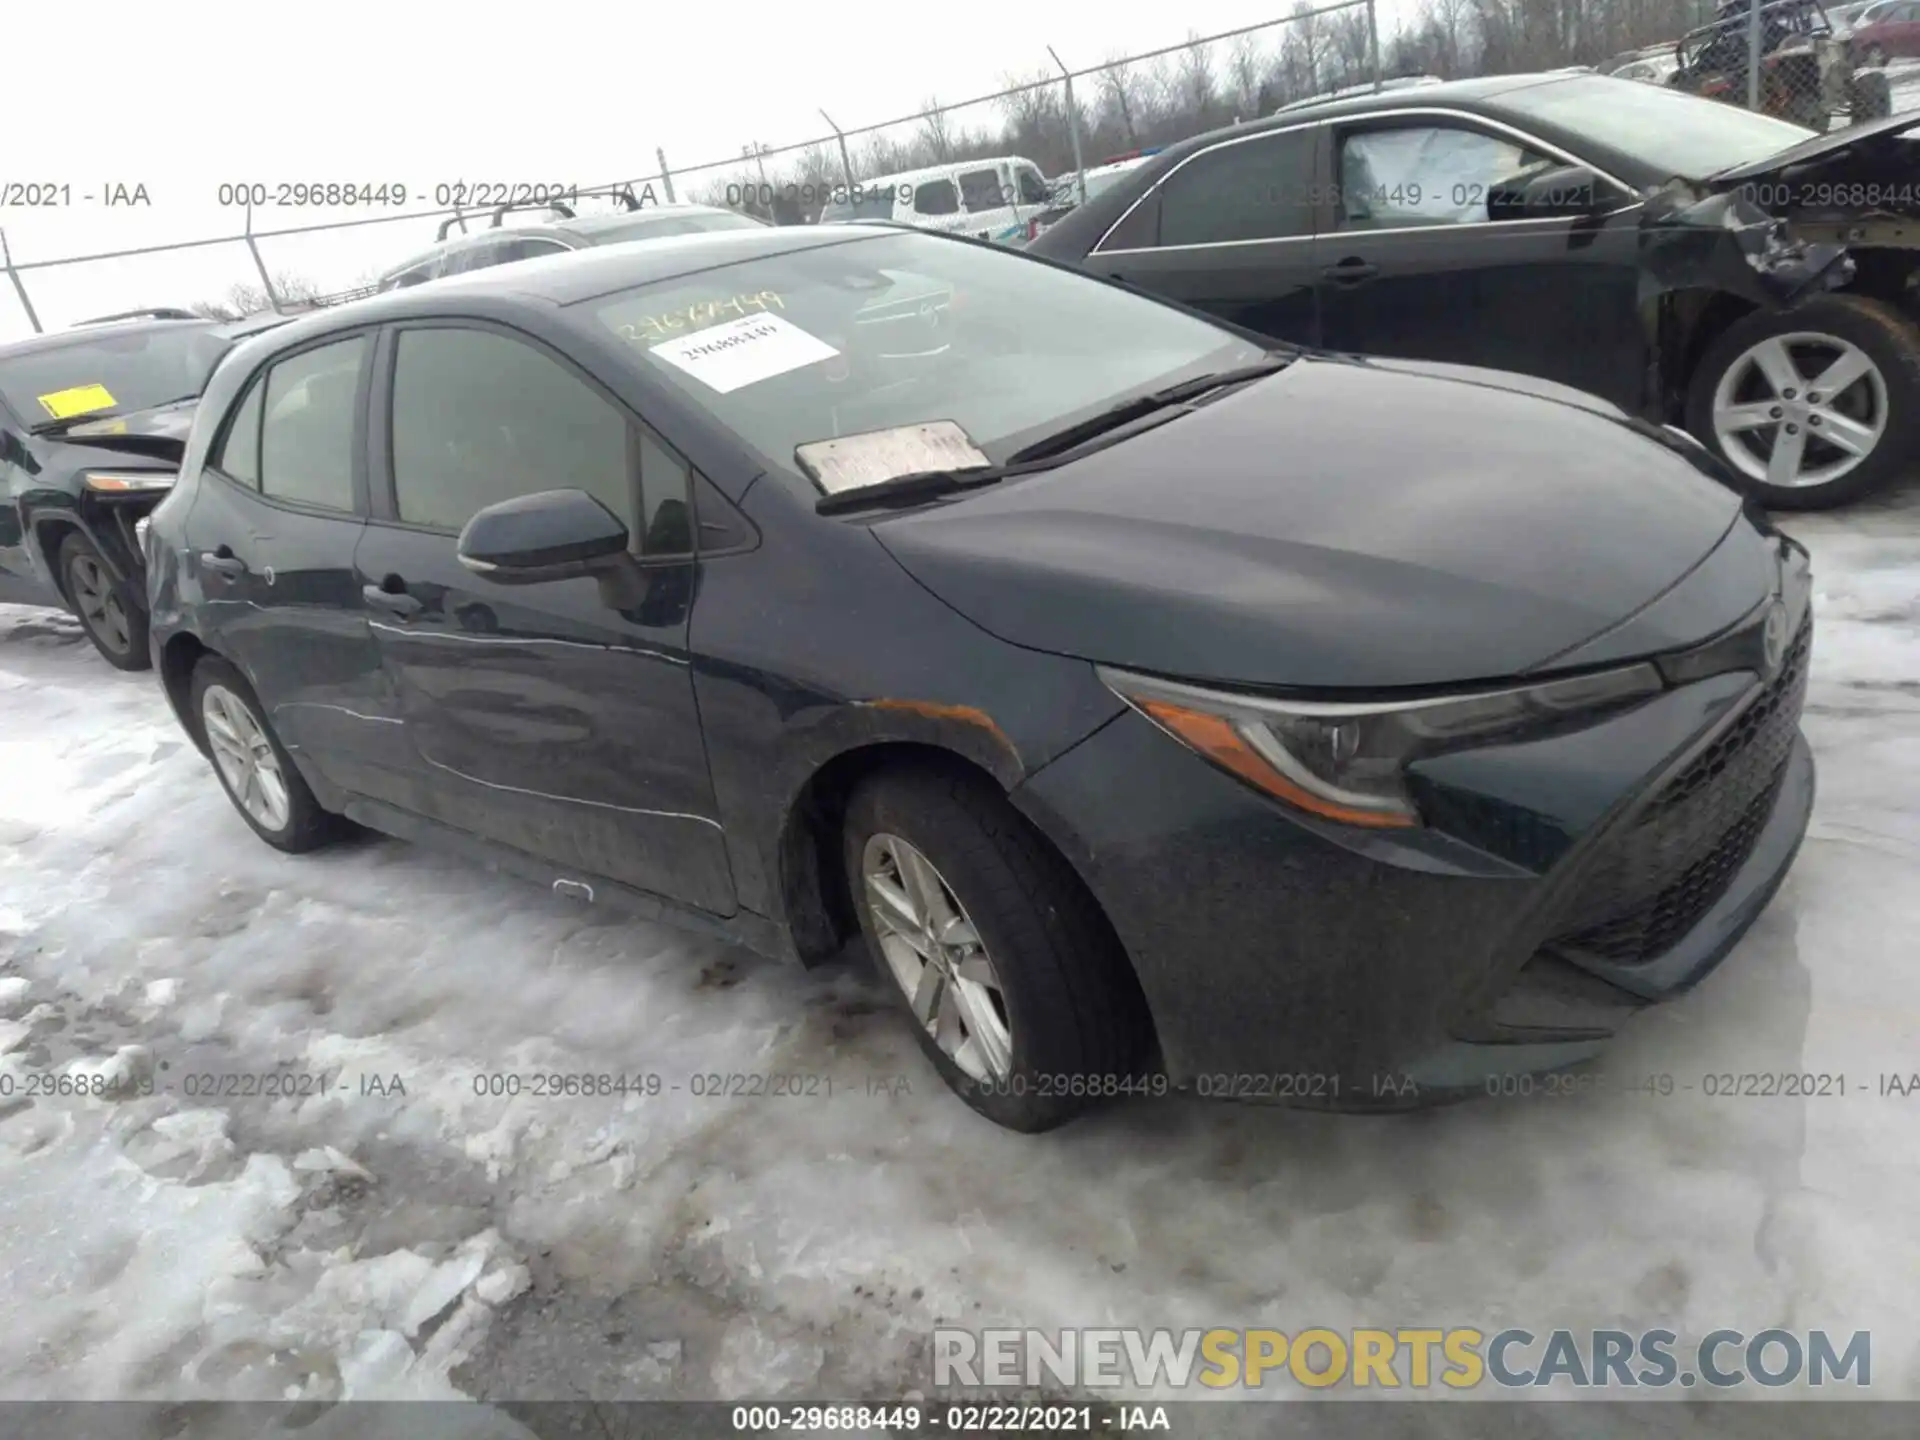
x,y
1655,880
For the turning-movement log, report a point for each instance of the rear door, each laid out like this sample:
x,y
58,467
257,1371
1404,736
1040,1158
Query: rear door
x,y
1412,265
1229,230
546,720
273,532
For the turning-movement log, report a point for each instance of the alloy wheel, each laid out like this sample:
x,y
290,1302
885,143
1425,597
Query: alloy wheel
x,y
245,757
98,600
936,956
1800,410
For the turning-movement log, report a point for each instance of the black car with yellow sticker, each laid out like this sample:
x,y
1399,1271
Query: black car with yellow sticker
x,y
93,422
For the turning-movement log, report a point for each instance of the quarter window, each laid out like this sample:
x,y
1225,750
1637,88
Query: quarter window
x,y
936,197
1425,175
239,457
1258,189
306,433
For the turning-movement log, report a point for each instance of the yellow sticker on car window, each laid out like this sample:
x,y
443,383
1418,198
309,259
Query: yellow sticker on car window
x,y
79,400
652,329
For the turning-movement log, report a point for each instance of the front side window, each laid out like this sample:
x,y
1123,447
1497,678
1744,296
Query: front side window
x,y
936,197
981,190
306,432
1033,189
1259,189
480,417
895,328
1426,175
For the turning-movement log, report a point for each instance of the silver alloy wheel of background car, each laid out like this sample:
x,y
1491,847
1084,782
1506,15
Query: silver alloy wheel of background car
x,y
937,957
1820,400
245,757
98,599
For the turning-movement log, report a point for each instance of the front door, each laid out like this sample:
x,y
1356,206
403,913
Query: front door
x,y
546,719
1411,265
1229,231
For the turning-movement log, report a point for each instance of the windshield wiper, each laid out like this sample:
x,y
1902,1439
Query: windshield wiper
x,y
61,426
919,485
1040,455
1141,406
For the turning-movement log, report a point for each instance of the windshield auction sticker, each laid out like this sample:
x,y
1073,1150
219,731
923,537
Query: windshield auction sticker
x,y
79,400
743,352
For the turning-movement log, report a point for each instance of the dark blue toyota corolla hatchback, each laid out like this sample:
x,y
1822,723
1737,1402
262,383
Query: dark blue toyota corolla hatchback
x,y
1158,710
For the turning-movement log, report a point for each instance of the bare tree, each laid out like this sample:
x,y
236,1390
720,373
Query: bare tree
x,y
1246,78
1197,94
244,299
936,135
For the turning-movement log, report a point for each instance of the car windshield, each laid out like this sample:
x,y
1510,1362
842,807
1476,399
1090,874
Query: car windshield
x,y
905,327
1667,131
651,227
113,370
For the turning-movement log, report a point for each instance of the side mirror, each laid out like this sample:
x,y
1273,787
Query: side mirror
x,y
1566,191
554,535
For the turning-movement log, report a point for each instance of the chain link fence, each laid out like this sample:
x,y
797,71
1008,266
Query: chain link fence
x,y
1785,57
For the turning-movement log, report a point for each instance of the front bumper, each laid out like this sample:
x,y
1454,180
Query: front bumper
x,y
1577,879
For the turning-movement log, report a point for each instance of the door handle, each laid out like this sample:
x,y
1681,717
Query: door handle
x,y
222,562
1351,271
394,602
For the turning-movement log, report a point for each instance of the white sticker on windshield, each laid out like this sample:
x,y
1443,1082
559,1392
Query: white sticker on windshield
x,y
853,462
743,352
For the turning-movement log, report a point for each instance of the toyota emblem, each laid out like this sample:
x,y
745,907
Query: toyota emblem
x,y
1773,637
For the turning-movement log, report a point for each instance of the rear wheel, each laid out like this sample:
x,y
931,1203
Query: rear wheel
x,y
254,768
1815,406
1017,989
111,611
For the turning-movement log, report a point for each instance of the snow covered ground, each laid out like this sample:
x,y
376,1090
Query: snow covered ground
x,y
403,1235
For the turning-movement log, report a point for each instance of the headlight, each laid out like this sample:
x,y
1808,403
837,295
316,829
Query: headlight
x,y
128,482
1347,762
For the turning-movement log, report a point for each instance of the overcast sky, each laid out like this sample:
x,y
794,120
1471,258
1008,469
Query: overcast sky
x,y
183,97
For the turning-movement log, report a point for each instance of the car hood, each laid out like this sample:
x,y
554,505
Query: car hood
x,y
159,433
1341,525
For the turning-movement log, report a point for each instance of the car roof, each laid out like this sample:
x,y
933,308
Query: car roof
x,y
588,225
582,274
939,172
80,334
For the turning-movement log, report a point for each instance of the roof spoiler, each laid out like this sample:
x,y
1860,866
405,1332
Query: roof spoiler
x,y
164,312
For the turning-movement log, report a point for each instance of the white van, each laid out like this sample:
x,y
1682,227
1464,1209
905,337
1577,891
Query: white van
x,y
989,199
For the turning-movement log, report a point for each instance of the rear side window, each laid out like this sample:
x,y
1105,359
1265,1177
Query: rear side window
x,y
936,197
525,249
306,433
980,190
1259,189
239,457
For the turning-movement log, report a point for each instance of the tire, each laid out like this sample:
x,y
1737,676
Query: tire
x,y
1074,1025
112,611
1813,333
297,825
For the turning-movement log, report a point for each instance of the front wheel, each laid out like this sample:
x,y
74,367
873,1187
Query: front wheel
x,y
1814,406
1016,987
111,610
